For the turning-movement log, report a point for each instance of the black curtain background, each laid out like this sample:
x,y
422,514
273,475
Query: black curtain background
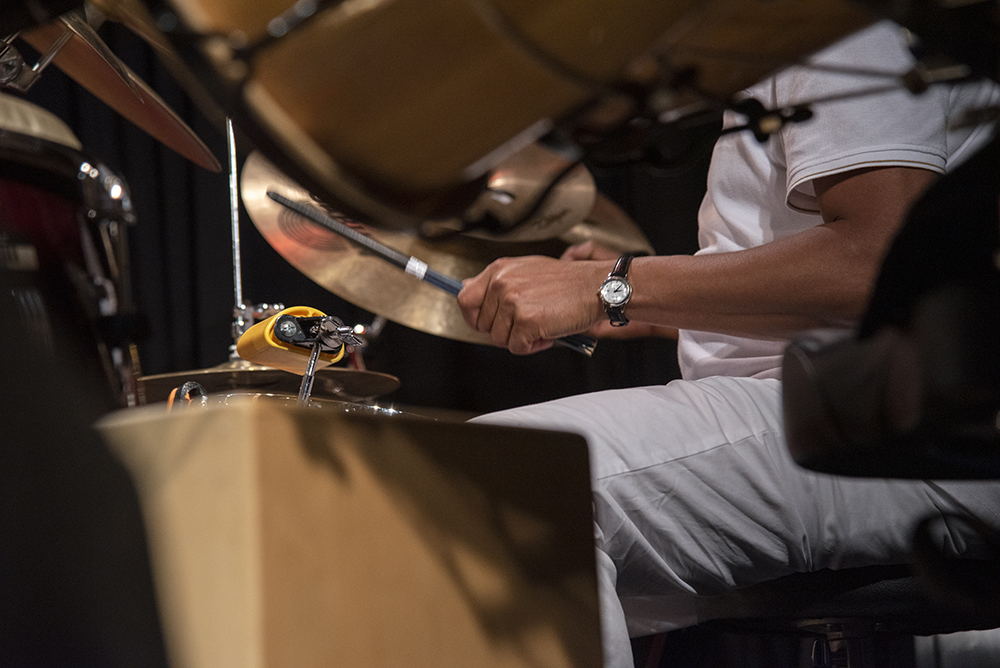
x,y
182,259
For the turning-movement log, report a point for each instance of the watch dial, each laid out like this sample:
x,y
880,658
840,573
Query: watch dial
x,y
615,292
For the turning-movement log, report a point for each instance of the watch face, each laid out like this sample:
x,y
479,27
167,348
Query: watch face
x,y
615,291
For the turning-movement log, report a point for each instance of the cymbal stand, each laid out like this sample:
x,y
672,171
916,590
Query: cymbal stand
x,y
15,74
244,316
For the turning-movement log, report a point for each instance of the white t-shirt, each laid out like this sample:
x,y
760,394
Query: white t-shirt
x,y
761,192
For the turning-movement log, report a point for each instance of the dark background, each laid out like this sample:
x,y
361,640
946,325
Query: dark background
x,y
182,258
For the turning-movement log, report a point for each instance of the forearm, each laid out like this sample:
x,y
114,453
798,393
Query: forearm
x,y
818,278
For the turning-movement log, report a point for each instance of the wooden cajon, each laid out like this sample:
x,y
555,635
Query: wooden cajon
x,y
307,537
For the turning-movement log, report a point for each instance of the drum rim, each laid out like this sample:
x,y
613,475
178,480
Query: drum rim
x,y
57,168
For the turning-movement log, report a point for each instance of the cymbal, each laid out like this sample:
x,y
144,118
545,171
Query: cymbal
x,y
516,187
332,382
89,62
375,285
133,15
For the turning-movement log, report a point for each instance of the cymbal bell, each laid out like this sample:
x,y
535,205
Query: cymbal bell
x,y
88,61
379,287
331,382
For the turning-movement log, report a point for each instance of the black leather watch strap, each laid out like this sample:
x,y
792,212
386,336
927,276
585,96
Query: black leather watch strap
x,y
619,278
621,267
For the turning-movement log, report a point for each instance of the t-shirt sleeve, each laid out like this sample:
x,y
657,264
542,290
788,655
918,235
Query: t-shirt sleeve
x,y
885,126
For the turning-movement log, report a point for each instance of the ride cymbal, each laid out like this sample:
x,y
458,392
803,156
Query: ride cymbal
x,y
88,61
377,286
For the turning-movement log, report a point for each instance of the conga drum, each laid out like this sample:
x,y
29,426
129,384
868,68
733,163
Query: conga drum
x,y
63,249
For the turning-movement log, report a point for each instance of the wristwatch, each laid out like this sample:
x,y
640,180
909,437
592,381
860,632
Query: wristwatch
x,y
615,291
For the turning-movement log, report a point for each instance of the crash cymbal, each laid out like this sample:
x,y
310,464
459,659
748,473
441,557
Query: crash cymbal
x,y
379,287
331,382
89,62
134,16
520,188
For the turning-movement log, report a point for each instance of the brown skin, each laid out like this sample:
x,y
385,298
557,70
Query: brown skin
x,y
820,277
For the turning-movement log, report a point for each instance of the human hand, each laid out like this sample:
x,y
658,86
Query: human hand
x,y
526,302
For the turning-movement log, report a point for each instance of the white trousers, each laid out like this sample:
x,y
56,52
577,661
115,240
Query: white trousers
x,y
695,494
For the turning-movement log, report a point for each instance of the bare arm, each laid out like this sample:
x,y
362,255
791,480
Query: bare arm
x,y
819,277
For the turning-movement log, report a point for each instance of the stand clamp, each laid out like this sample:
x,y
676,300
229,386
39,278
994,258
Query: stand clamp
x,y
319,334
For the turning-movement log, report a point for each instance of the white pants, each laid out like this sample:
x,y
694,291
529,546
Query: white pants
x,y
695,494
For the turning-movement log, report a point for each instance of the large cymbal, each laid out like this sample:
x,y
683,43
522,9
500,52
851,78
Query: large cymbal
x,y
331,382
517,189
134,16
89,62
382,288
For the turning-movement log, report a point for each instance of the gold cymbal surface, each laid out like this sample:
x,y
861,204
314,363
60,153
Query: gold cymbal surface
x,y
87,60
336,382
377,286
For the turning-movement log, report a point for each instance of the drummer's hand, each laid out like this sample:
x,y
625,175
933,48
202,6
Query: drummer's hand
x,y
526,302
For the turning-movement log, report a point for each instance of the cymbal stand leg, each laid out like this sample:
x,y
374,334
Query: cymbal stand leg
x,y
305,390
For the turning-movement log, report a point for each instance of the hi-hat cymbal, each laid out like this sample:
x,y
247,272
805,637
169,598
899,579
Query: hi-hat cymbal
x,y
89,62
331,382
379,287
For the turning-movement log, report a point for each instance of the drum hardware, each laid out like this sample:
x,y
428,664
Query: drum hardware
x,y
319,334
410,264
186,395
13,72
369,332
243,316
74,26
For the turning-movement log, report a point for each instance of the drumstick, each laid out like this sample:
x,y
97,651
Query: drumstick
x,y
411,265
